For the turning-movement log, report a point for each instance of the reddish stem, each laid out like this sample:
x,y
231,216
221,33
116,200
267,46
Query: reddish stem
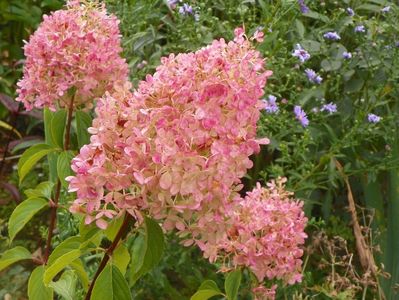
x,y
122,231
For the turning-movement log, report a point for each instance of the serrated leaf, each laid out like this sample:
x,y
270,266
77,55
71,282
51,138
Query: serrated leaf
x,y
207,290
64,166
23,213
59,264
13,255
232,284
57,127
147,251
36,288
110,285
30,157
42,190
121,258
83,122
66,285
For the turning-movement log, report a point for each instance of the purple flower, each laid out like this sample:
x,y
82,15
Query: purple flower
x,y
301,53
313,77
186,9
270,105
350,11
360,28
330,108
301,116
302,6
172,3
386,9
347,55
372,118
332,36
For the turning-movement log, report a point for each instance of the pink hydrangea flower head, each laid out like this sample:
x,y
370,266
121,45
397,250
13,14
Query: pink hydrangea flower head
x,y
76,47
264,232
179,144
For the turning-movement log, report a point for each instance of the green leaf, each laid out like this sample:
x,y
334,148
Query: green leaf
x,y
66,285
111,285
330,65
59,264
121,258
83,122
57,127
23,213
30,157
207,290
64,166
52,157
36,288
13,255
147,251
71,243
42,190
232,284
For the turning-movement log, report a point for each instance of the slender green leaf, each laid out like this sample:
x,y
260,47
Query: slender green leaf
x,y
207,290
57,127
36,288
13,255
64,166
83,122
232,284
59,264
111,285
66,285
23,213
30,157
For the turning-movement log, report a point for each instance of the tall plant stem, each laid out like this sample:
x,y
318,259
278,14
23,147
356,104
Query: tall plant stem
x,y
121,233
54,206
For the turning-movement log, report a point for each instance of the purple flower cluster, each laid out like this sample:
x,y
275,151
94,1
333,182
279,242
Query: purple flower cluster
x,y
332,35
330,108
313,76
186,10
270,105
347,55
303,7
301,116
301,53
360,28
372,118
386,9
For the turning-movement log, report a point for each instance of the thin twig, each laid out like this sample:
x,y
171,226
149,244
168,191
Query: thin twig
x,y
121,233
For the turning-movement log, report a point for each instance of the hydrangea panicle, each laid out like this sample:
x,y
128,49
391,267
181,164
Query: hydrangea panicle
x,y
75,47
